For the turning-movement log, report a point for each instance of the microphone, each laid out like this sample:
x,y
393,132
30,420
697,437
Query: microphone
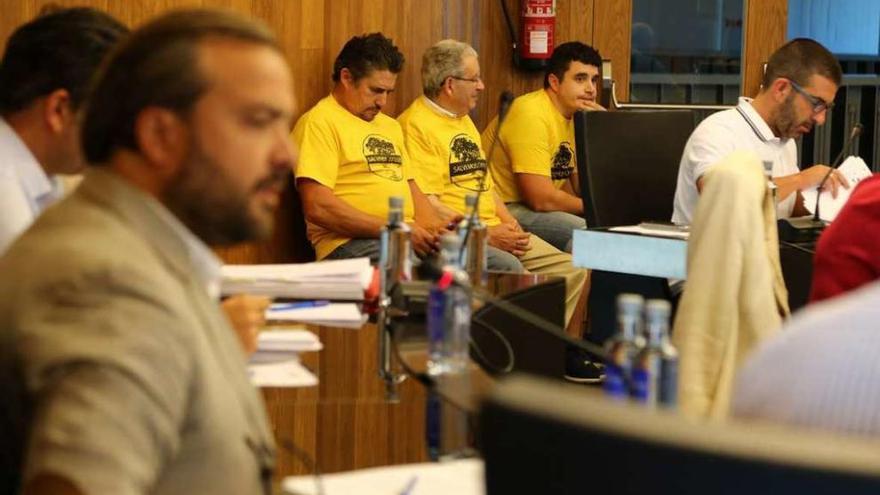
x,y
504,102
856,132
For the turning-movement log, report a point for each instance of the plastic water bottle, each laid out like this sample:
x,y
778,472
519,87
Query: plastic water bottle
x,y
648,377
668,359
449,313
476,251
624,346
395,263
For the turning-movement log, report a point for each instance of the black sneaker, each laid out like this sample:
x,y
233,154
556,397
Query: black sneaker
x,y
582,370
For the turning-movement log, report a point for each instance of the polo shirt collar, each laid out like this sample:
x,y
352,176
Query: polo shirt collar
x,y
755,121
437,108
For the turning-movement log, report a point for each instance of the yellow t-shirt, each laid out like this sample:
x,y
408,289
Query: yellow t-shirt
x,y
364,163
446,158
535,139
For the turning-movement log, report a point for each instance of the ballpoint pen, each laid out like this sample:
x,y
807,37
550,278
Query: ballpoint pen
x,y
408,489
298,305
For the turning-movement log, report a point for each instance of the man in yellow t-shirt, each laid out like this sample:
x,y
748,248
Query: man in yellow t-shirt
x,y
449,164
534,165
352,158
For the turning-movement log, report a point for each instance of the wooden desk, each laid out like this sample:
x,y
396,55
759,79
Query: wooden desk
x,y
344,422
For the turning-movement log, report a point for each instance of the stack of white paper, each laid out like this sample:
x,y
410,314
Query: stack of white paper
x,y
344,315
462,477
338,279
276,361
854,169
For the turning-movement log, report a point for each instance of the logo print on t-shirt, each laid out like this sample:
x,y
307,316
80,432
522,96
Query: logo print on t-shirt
x,y
562,168
382,157
466,166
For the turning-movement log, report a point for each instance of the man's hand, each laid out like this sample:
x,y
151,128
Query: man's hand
x,y
509,237
814,175
451,222
592,106
423,242
247,316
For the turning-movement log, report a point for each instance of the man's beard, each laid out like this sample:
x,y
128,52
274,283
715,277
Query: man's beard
x,y
204,198
786,119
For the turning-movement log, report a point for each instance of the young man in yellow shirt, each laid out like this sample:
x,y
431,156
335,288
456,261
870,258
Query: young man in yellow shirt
x,y
534,168
352,158
449,163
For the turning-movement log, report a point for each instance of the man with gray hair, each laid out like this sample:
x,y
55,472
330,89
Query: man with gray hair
x,y
449,163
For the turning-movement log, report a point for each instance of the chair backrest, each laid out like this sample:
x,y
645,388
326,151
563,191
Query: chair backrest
x,y
542,437
628,163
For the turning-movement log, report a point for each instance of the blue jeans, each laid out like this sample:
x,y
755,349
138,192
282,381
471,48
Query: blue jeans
x,y
357,248
364,248
555,227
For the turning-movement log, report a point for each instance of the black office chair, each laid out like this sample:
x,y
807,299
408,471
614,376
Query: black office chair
x,y
628,163
537,436
627,167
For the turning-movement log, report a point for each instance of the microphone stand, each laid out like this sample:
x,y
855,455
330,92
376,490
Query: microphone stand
x,y
806,229
383,320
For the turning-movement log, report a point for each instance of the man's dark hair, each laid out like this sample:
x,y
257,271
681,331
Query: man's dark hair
x,y
157,66
364,54
60,49
564,54
798,60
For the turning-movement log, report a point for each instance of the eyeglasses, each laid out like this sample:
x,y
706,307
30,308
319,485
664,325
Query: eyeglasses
x,y
475,79
819,105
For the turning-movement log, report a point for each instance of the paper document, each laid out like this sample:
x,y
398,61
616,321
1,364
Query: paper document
x,y
289,340
638,229
461,477
345,315
854,169
285,373
337,279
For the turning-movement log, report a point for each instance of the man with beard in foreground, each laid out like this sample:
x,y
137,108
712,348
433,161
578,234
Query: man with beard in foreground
x,y
110,300
797,92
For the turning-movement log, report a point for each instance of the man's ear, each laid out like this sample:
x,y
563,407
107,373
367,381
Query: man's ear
x,y
347,78
780,88
57,111
554,82
162,138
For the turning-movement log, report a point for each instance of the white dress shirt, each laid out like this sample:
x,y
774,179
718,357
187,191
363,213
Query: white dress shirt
x,y
206,265
25,189
719,135
822,370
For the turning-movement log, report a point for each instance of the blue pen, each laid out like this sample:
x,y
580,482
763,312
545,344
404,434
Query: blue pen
x,y
408,489
298,305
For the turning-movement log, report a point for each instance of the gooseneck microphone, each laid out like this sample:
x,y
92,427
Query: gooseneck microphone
x,y
856,131
504,102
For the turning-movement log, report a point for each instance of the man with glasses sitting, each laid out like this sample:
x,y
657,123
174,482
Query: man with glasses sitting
x,y
797,91
449,163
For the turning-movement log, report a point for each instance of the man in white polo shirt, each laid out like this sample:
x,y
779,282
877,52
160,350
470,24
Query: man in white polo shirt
x,y
797,91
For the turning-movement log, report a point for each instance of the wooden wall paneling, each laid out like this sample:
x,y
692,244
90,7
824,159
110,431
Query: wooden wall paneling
x,y
299,28
766,22
612,36
574,21
414,25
